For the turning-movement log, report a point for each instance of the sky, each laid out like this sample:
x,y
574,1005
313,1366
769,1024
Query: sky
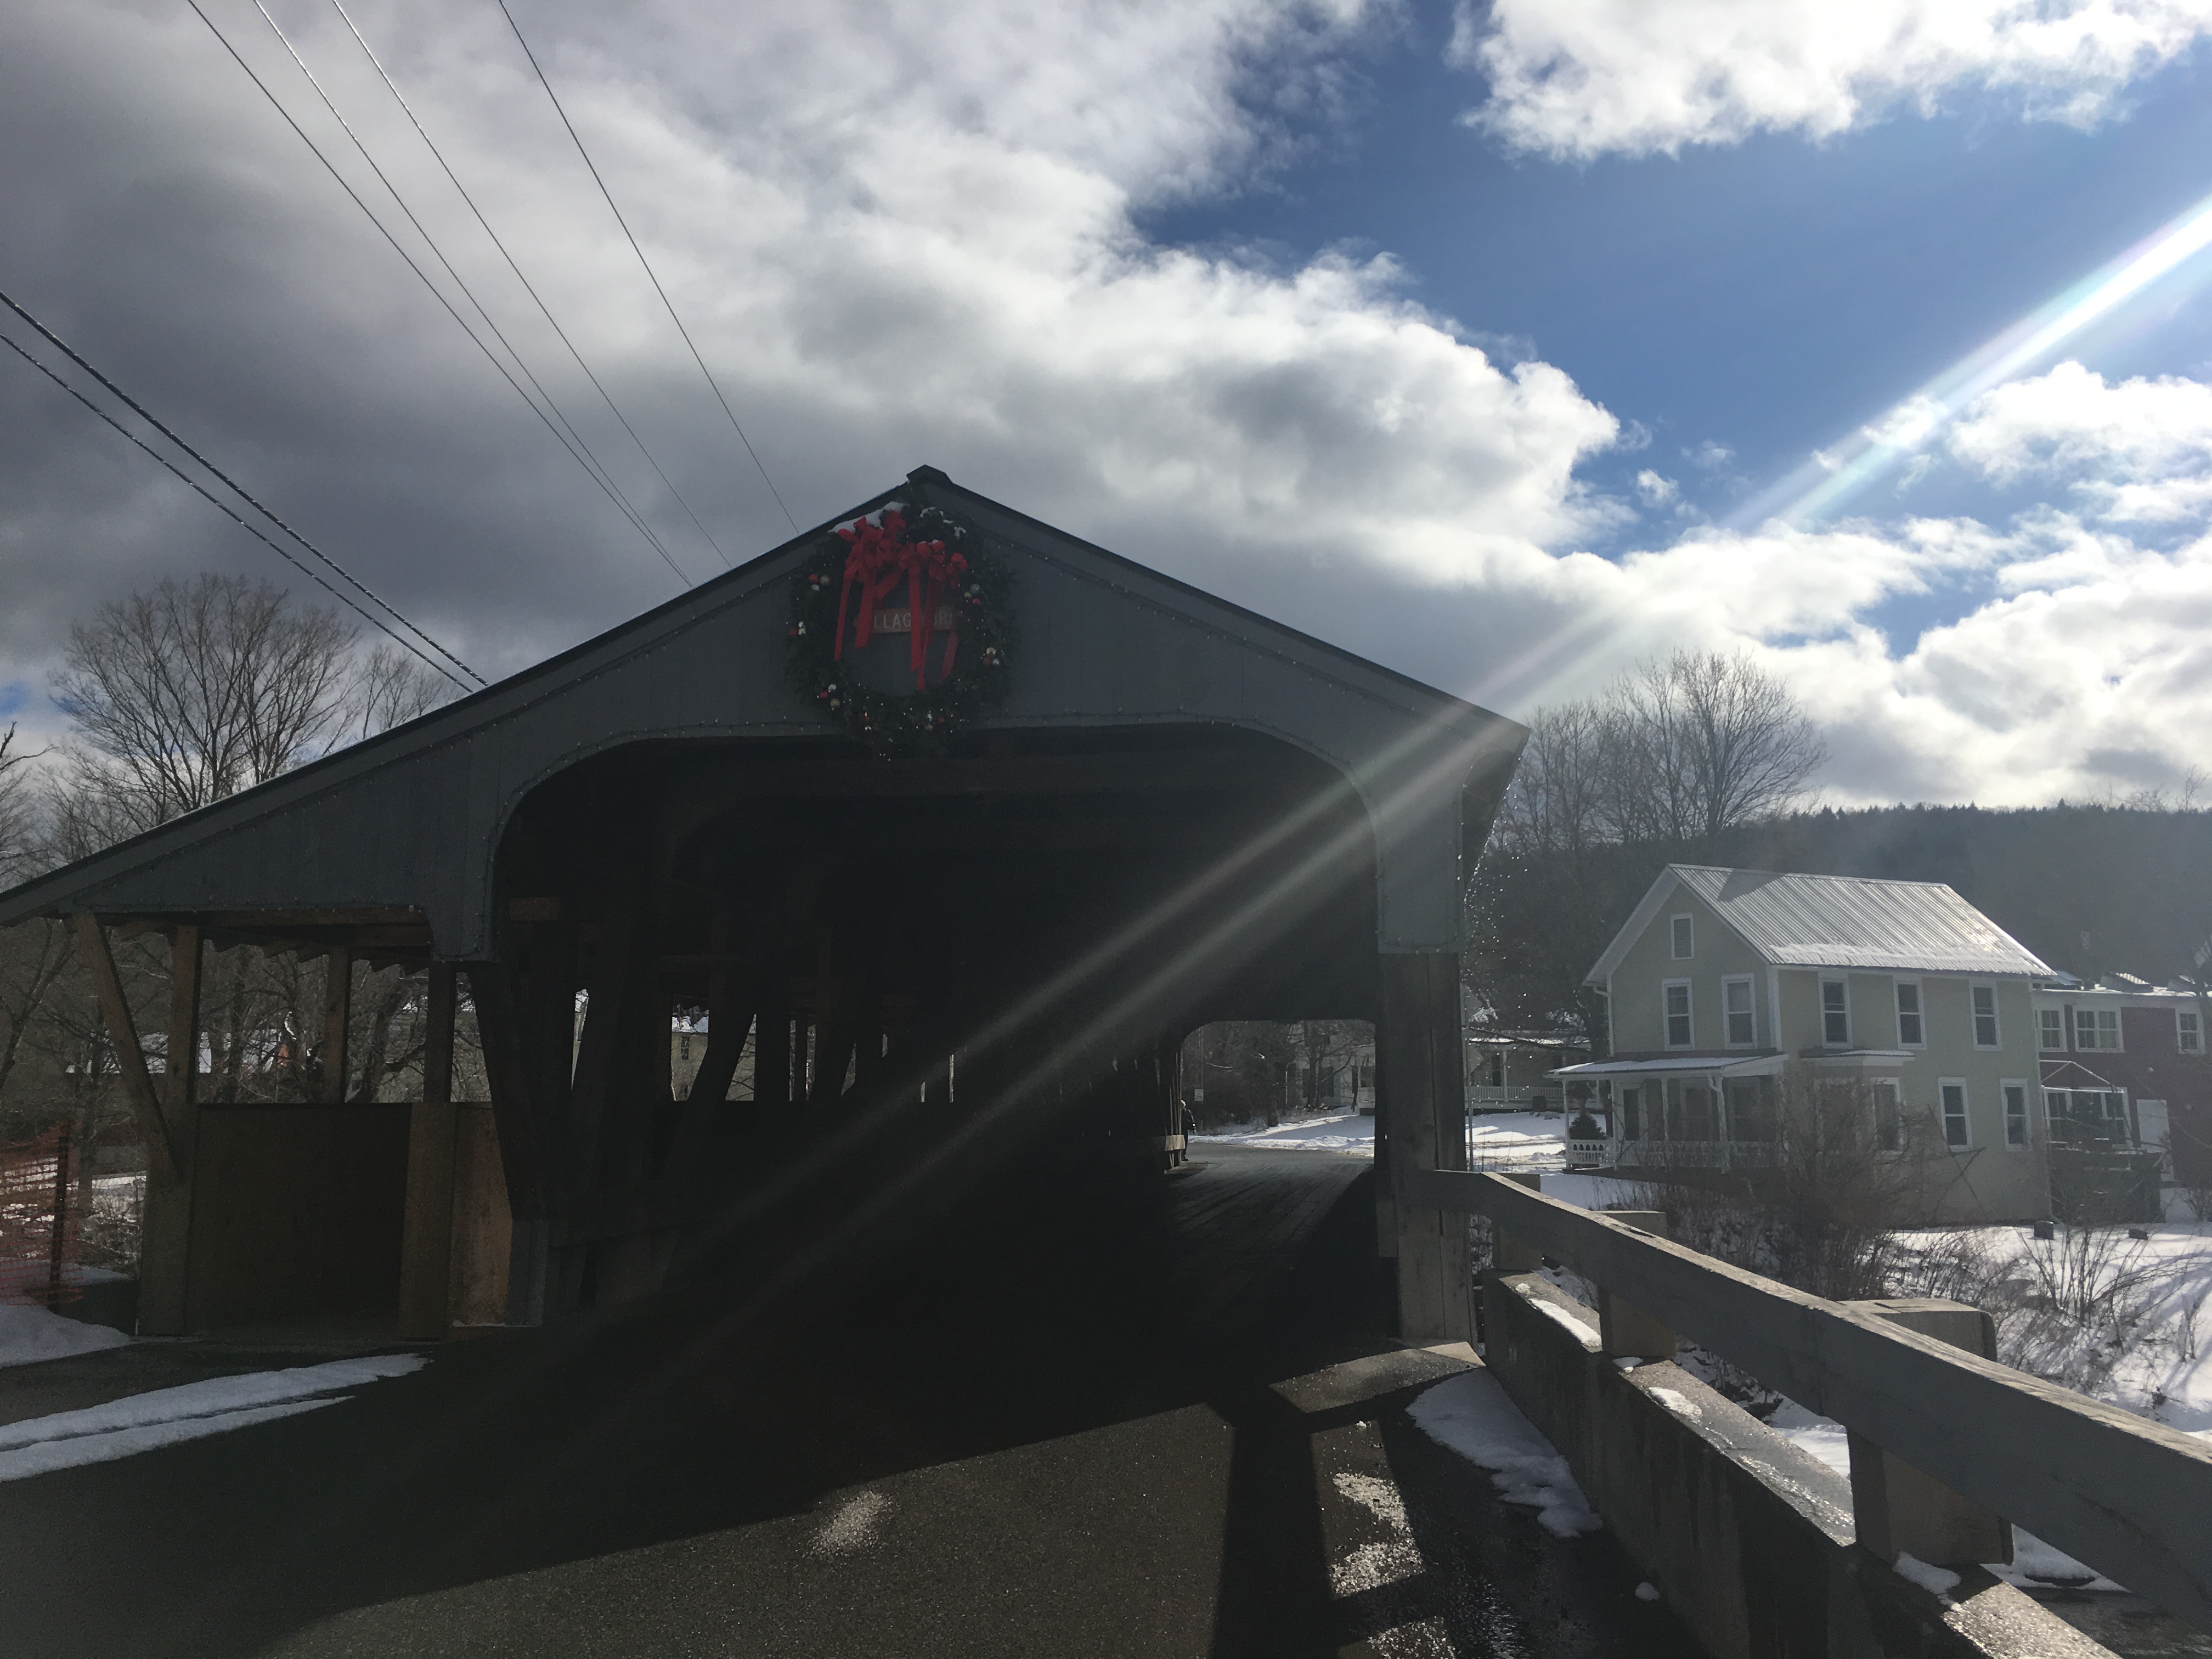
x,y
1507,345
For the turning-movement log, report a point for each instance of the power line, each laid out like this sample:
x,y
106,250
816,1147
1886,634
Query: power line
x,y
527,286
225,509
594,465
642,260
436,293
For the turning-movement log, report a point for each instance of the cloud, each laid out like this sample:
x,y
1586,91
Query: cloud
x,y
2139,451
1711,454
896,239
899,240
1577,79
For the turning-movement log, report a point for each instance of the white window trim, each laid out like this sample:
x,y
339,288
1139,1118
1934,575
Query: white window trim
x,y
1967,1111
2065,1041
1750,985
2027,1113
1689,955
1689,1011
1825,982
2192,1014
1996,1018
1922,997
2119,1031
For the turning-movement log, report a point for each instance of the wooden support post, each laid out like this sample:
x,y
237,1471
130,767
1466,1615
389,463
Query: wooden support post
x,y
494,989
129,1058
1509,1255
599,1051
164,1254
1426,1105
1900,1510
337,1021
426,1251
1627,1332
166,1236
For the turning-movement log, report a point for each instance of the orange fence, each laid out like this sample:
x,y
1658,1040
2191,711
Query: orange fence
x,y
38,1229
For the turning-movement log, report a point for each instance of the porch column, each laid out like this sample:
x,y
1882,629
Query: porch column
x,y
1421,1101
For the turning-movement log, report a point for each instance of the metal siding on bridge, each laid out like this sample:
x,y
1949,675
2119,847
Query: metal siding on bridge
x,y
414,817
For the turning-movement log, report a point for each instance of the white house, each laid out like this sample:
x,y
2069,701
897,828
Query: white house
x,y
1722,978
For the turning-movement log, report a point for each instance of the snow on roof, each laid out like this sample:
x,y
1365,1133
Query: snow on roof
x,y
1840,921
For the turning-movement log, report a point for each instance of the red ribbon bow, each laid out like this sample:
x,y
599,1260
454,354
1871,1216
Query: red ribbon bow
x,y
877,555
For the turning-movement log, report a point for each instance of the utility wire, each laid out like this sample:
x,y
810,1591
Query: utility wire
x,y
239,490
527,286
437,293
597,467
228,511
642,260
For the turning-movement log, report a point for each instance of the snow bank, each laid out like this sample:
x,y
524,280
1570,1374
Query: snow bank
x,y
1495,1139
1470,1415
28,1334
163,1417
1346,1132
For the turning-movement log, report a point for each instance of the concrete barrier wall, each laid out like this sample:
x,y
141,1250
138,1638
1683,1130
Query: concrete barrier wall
x,y
1748,1538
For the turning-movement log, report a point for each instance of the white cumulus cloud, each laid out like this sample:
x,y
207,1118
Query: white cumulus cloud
x,y
1584,78
2137,451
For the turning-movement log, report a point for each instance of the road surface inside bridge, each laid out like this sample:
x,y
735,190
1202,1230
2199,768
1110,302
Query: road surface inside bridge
x,y
1051,1432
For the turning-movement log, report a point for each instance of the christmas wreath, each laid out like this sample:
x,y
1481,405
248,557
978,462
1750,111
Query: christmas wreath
x,y
950,598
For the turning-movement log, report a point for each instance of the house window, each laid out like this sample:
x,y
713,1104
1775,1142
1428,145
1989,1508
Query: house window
x,y
1953,1095
1632,1116
1909,1032
2016,1102
1985,1016
1888,1115
2191,1038
2096,1028
2052,1023
1677,993
1735,1002
1835,1014
1680,926
683,1046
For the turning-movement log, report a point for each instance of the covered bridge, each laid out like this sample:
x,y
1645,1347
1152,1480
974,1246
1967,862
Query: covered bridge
x,y
963,865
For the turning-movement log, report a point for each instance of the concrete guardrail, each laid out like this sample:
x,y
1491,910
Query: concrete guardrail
x,y
2129,1497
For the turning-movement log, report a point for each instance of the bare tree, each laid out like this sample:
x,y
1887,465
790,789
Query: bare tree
x,y
184,694
179,696
1700,744
392,687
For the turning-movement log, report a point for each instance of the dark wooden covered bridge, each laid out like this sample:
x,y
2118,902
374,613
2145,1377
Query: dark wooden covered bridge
x,y
962,893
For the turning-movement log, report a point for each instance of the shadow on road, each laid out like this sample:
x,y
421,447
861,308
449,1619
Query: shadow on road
x,y
1044,1428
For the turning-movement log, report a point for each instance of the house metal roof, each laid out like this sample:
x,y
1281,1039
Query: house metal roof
x,y
1839,921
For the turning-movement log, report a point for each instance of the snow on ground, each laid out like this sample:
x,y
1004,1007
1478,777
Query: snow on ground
x,y
1470,1415
1347,1132
28,1334
1496,1140
163,1417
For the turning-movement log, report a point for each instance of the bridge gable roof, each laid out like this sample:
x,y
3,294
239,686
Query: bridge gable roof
x,y
412,818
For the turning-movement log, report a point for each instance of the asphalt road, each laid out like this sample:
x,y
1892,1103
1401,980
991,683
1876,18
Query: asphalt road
x,y
1048,1431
